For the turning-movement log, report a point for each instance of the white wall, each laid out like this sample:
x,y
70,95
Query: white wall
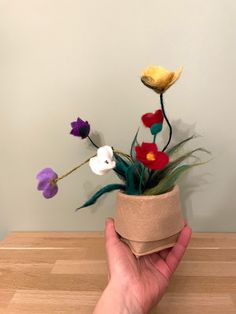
x,y
61,59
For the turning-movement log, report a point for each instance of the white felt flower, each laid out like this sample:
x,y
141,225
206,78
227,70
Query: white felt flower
x,y
103,162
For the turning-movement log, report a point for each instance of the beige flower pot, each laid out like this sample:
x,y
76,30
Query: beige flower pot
x,y
149,224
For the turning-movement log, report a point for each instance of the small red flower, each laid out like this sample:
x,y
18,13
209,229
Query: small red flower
x,y
149,155
152,118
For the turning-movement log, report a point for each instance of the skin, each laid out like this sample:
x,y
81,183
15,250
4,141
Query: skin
x,y
136,285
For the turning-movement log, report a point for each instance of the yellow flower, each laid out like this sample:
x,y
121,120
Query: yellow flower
x,y
159,79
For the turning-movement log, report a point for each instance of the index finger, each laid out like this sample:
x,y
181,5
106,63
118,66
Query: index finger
x,y
176,253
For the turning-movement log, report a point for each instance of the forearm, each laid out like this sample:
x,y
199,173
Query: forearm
x,y
116,302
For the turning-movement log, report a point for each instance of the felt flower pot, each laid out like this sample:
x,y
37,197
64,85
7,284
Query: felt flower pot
x,y
149,223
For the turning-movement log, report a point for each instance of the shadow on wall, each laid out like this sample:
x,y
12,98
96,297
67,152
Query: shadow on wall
x,y
189,184
218,221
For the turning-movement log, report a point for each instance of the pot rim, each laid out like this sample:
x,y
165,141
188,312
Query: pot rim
x,y
173,191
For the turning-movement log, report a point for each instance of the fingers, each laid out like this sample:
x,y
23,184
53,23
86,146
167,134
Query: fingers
x,y
176,253
160,265
164,253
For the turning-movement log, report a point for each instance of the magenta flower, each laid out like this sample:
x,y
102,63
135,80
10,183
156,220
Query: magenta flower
x,y
47,182
80,128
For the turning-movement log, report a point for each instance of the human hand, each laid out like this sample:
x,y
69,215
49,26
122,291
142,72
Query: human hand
x,y
136,285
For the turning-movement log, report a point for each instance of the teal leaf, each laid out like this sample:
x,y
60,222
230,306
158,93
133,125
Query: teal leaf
x,y
156,128
132,179
122,165
105,189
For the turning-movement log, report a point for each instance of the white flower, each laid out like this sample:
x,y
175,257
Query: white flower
x,y
103,162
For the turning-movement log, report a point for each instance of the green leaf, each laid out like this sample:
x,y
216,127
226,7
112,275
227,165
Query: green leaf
x,y
122,165
167,183
132,154
132,179
160,174
173,149
105,189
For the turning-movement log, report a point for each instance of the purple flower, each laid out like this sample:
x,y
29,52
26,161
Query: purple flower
x,y
47,183
80,128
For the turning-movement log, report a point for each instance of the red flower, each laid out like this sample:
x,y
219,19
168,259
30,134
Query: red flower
x,y
152,118
149,155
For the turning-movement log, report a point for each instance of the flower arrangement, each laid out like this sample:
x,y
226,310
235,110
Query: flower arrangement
x,y
146,169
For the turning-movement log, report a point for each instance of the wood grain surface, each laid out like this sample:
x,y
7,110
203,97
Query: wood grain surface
x,y
66,272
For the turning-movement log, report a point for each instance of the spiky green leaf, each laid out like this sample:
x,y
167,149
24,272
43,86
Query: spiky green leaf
x,y
167,183
105,189
132,153
160,174
122,165
173,149
133,179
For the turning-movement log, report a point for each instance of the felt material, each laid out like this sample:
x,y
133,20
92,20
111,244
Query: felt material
x,y
144,248
149,155
149,223
159,79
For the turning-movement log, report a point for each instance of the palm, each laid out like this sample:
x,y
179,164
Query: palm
x,y
148,275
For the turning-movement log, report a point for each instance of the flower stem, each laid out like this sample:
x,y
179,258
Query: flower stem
x,y
167,121
154,138
80,165
92,142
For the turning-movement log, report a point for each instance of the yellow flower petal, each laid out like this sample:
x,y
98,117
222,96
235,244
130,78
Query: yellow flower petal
x,y
177,74
159,78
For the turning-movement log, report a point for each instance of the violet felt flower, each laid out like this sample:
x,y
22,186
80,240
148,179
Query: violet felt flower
x,y
80,128
47,182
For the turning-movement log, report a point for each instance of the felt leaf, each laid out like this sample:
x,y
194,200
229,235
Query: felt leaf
x,y
126,160
105,189
156,128
173,149
122,164
159,175
132,179
132,151
168,182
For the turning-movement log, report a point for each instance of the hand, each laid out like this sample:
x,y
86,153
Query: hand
x,y
137,284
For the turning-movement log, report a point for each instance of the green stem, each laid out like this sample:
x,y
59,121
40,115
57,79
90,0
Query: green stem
x,y
154,138
92,142
141,180
167,121
80,165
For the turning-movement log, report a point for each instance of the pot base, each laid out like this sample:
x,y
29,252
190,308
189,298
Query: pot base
x,y
149,223
143,248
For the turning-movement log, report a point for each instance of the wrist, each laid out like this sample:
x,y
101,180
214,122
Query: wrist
x,y
117,300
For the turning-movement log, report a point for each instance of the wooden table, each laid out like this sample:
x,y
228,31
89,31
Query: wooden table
x,y
65,272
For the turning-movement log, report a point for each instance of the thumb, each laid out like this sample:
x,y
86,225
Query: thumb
x,y
111,242
111,237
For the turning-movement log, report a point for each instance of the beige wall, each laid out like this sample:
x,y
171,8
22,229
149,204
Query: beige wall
x,y
60,59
